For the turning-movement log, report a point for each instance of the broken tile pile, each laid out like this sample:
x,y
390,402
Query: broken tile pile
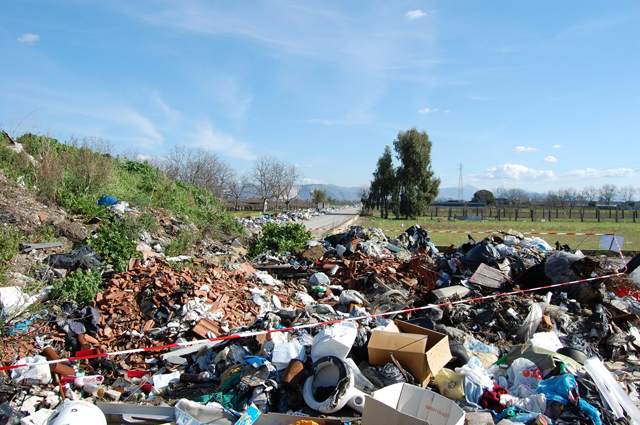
x,y
565,355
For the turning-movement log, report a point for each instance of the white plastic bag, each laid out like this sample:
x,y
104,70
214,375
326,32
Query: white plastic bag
x,y
531,323
283,353
33,375
524,377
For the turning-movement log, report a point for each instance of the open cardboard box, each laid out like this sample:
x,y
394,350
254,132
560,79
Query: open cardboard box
x,y
404,404
424,352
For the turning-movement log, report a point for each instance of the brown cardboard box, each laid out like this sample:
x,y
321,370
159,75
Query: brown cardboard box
x,y
422,351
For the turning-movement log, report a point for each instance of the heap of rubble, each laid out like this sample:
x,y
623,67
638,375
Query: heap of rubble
x,y
259,334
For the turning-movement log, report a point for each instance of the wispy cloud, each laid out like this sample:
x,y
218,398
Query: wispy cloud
x,y
520,149
514,172
307,180
556,146
427,110
415,14
29,38
550,158
446,111
207,138
592,173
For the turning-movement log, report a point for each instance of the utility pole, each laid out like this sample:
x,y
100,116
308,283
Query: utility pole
x,y
460,184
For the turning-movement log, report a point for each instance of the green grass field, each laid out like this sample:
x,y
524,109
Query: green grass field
x,y
629,230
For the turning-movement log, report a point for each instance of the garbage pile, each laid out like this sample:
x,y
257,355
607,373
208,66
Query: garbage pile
x,y
282,218
359,327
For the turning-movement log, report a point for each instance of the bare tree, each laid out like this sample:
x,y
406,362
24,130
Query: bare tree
x,y
198,167
627,193
291,188
501,193
237,188
553,199
517,197
262,176
607,192
571,196
590,193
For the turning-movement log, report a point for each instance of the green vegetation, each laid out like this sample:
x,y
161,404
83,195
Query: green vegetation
x,y
9,244
74,175
409,188
80,286
114,241
288,238
629,230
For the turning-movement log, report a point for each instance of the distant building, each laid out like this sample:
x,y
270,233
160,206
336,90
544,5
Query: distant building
x,y
459,204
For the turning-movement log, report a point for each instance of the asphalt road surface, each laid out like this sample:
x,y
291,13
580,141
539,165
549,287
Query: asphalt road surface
x,y
330,221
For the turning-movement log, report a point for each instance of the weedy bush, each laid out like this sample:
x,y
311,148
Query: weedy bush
x,y
183,244
9,245
290,237
80,286
114,241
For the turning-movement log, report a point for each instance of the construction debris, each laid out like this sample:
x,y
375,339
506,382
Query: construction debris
x,y
350,327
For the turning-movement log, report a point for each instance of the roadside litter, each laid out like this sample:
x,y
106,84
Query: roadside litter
x,y
360,327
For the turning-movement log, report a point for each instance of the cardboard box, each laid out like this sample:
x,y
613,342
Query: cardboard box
x,y
422,351
404,404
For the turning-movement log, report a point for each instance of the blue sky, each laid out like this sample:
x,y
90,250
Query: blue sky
x,y
538,95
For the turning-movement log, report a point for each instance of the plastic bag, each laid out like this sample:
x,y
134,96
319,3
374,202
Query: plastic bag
x,y
476,373
386,375
471,343
450,384
524,378
33,375
531,323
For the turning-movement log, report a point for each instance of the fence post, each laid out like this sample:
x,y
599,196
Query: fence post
x,y
498,216
516,216
549,216
616,216
569,213
598,215
556,213
531,214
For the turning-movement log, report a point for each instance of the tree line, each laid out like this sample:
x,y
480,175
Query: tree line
x,y
269,179
408,187
571,198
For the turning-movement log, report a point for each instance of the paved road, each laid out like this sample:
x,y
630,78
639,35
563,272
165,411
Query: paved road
x,y
330,221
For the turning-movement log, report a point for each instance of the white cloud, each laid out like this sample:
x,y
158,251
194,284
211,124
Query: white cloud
x,y
519,149
427,110
556,146
514,172
415,14
446,111
29,38
550,158
592,173
143,132
207,138
307,180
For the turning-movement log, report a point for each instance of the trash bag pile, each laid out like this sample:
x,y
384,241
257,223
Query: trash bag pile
x,y
357,327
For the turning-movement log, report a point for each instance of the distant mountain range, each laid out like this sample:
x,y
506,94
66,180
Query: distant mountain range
x,y
353,193
332,190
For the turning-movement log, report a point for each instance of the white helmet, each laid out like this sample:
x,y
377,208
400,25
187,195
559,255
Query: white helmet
x,y
77,413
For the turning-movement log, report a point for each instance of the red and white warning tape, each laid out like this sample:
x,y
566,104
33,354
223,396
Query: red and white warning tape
x,y
485,232
294,328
